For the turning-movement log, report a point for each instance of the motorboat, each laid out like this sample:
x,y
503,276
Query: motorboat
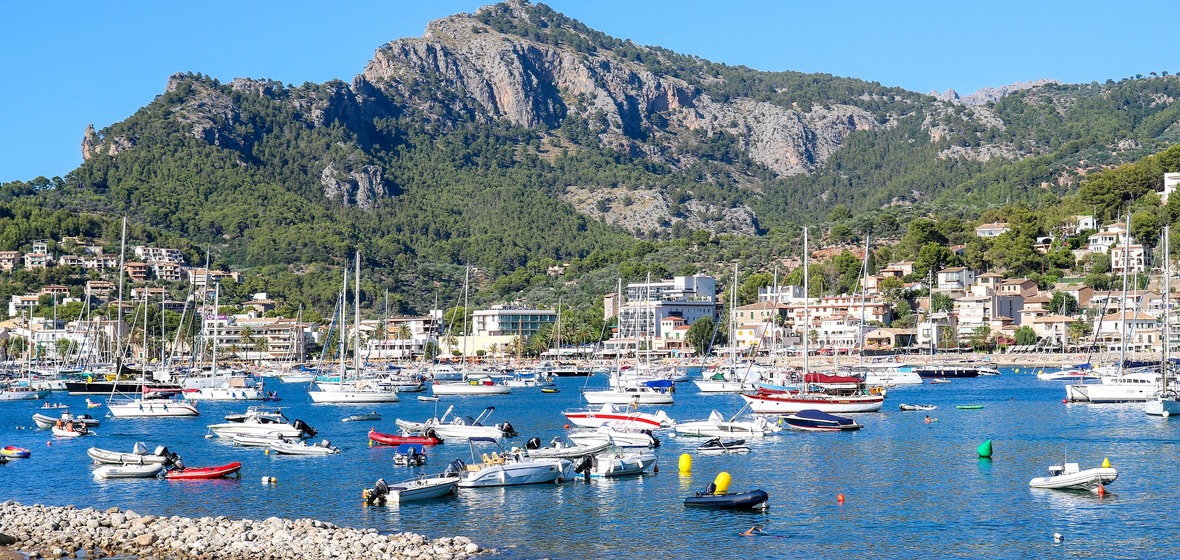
x,y
911,407
264,422
461,428
205,473
954,370
484,386
429,437
271,414
622,418
352,392
657,391
1078,373
1069,476
70,430
1129,387
615,463
886,374
729,378
45,422
138,456
230,386
502,468
818,421
620,438
717,496
362,417
717,446
718,426
14,392
151,470
564,448
421,488
409,455
14,452
300,447
151,408
246,440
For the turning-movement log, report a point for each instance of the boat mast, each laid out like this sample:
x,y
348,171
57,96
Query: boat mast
x,y
863,288
930,313
1167,311
216,310
119,299
732,321
806,311
356,316
343,322
466,284
1123,306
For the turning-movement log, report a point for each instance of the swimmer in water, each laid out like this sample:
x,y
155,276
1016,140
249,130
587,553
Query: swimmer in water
x,y
752,531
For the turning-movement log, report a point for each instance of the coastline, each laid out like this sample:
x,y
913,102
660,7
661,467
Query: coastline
x,y
56,532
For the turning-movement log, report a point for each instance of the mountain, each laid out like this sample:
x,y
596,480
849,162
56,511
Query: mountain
x,y
516,136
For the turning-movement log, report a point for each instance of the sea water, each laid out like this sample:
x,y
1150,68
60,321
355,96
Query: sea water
x,y
911,488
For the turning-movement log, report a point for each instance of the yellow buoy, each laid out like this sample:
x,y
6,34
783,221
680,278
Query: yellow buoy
x,y
685,463
1106,463
721,483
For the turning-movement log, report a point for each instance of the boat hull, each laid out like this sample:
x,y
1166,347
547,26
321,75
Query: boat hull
x,y
423,489
1089,479
378,438
790,404
14,452
741,500
532,471
459,389
352,397
206,473
152,408
128,471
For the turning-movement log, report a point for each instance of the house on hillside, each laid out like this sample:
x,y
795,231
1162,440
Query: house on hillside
x,y
955,279
994,229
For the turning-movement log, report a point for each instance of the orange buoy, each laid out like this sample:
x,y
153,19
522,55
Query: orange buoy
x,y
567,426
1064,401
1101,490
839,498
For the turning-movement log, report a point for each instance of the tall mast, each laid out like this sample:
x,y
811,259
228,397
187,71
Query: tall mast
x,y
1123,307
806,310
343,322
216,304
466,281
119,299
1167,338
863,288
356,316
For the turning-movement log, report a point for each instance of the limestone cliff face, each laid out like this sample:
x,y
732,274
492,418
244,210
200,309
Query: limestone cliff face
x,y
534,84
363,187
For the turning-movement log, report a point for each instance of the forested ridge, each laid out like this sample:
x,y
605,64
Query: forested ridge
x,y
286,182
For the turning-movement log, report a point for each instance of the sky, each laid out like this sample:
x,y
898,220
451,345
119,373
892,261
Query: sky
x,y
65,64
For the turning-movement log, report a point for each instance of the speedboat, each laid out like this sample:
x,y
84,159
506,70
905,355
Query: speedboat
x,y
1070,476
566,449
615,463
362,417
139,456
246,440
460,428
817,421
608,413
429,437
409,455
290,447
70,430
45,422
502,468
205,473
421,488
657,391
718,426
717,446
717,496
129,471
620,438
263,422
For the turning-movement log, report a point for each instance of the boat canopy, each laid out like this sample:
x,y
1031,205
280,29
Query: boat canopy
x,y
410,449
659,383
812,414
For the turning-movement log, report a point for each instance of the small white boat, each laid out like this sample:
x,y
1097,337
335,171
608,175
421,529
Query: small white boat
x,y
151,408
409,455
421,488
622,418
716,446
1071,477
362,417
904,406
139,456
616,463
641,438
71,430
501,468
263,422
288,447
718,426
652,392
45,422
247,440
564,448
460,428
129,471
472,387
427,398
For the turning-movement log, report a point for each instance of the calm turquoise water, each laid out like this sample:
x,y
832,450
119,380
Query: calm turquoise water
x,y
912,489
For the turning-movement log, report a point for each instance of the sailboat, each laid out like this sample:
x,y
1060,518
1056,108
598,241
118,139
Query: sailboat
x,y
1167,401
730,377
150,402
14,391
216,385
641,386
843,400
469,384
359,390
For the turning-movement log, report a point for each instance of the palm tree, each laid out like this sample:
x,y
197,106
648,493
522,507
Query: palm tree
x,y
261,345
404,332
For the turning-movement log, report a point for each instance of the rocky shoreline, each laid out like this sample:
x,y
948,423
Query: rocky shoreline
x,y
59,532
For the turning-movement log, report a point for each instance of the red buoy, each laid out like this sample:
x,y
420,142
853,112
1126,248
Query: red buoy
x,y
1101,490
839,498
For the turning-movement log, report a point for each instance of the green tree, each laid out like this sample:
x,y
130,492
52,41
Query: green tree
x,y
1025,336
942,302
700,334
981,338
1064,304
748,291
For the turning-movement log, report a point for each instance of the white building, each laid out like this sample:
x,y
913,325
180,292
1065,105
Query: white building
x,y
647,304
994,229
509,320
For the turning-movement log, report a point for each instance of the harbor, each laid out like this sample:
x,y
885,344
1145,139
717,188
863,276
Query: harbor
x,y
901,486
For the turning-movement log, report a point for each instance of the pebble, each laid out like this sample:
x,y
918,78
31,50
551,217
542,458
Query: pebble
x,y
62,532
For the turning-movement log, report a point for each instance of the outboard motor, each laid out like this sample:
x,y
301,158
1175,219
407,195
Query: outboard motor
x,y
507,430
161,451
177,463
585,464
533,443
305,428
655,441
455,468
430,433
377,493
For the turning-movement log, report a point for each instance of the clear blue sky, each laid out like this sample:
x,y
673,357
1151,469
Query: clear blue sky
x,y
64,64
